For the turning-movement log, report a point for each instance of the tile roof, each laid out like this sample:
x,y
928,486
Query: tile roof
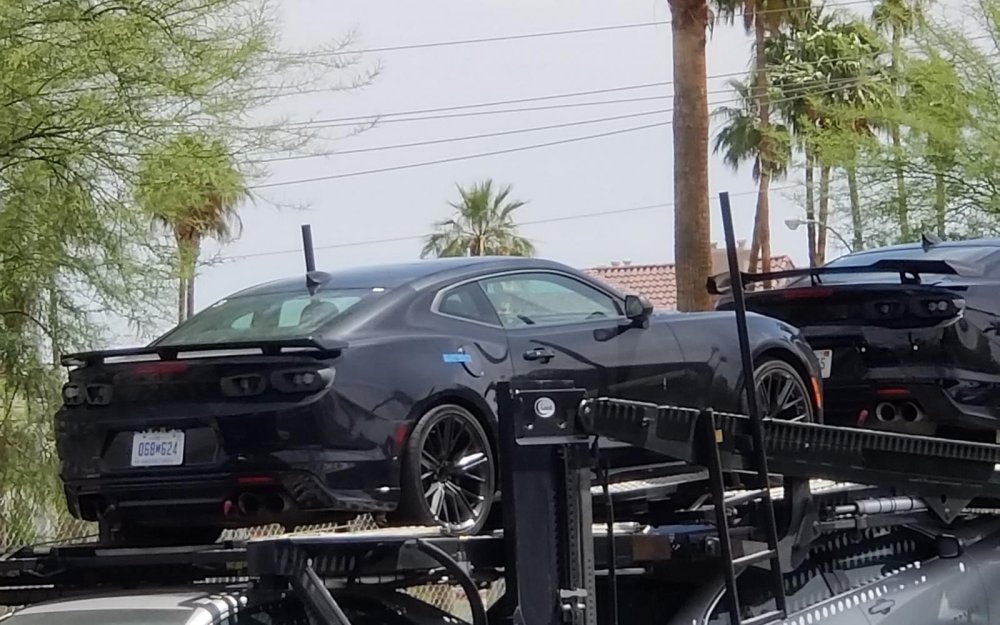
x,y
657,282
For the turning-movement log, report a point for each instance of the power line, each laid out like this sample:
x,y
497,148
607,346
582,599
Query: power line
x,y
552,33
517,131
491,153
540,98
549,220
394,117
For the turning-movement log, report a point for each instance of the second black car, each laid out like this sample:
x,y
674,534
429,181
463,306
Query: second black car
x,y
372,389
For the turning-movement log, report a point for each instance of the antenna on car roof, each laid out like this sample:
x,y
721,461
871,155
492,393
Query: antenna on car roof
x,y
307,248
314,279
929,240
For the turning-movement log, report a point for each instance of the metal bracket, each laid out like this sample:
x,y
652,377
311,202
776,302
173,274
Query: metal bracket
x,y
947,508
574,604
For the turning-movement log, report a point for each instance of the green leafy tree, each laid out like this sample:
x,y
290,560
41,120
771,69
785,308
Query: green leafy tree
x,y
898,18
192,186
937,106
88,88
833,89
483,225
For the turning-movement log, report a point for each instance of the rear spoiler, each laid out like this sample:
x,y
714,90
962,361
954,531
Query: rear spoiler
x,y
909,273
201,350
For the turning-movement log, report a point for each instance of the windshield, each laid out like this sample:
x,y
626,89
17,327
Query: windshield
x,y
104,617
266,316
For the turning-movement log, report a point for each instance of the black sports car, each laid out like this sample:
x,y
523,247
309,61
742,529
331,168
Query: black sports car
x,y
907,335
373,390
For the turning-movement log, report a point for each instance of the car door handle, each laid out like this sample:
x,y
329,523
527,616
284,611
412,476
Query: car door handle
x,y
539,353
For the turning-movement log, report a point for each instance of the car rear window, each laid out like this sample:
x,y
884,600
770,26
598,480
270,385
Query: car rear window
x,y
266,316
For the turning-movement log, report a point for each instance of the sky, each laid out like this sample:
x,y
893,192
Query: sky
x,y
381,217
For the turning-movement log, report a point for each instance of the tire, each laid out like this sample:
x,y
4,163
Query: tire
x,y
771,367
132,534
435,488
772,377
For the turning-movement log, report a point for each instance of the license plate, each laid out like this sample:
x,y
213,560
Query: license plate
x,y
158,449
825,357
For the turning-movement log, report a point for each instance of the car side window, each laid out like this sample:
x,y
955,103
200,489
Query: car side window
x,y
468,302
545,299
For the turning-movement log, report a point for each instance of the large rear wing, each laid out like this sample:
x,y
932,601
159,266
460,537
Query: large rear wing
x,y
202,350
909,272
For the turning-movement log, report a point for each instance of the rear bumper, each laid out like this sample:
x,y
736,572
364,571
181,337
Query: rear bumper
x,y
231,499
967,404
949,371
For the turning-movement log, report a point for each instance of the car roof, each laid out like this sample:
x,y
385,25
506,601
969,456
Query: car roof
x,y
415,273
902,247
137,600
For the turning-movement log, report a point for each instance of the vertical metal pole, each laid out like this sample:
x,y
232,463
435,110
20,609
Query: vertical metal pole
x,y
735,277
307,247
749,383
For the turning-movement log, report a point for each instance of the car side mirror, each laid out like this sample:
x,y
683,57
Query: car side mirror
x,y
637,307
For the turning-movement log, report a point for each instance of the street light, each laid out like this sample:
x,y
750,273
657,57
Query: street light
x,y
795,222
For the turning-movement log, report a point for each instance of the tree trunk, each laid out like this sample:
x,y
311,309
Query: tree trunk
x,y
940,200
53,322
897,149
192,269
852,187
190,296
824,213
692,226
763,230
810,206
181,298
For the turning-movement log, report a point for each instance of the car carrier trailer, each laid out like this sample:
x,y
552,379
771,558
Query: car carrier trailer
x,y
810,497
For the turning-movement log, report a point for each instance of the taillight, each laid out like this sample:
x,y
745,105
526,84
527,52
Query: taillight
x,y
93,394
305,380
805,292
159,368
73,395
938,307
247,385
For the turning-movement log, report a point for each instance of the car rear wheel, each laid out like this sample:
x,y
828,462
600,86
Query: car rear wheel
x,y
782,393
449,472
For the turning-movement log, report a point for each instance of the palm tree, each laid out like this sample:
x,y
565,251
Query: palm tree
x,y
483,225
763,17
191,186
768,145
692,226
899,18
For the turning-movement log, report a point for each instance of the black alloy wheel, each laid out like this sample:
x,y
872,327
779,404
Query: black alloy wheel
x,y
449,474
782,393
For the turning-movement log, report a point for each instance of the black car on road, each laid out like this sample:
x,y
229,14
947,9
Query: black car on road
x,y
906,334
372,389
